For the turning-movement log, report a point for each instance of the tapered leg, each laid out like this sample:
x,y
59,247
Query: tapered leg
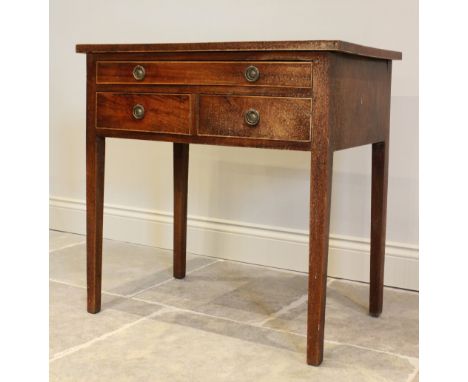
x,y
378,225
181,161
320,194
95,152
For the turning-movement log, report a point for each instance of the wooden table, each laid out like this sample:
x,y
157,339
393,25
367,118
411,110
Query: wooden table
x,y
316,96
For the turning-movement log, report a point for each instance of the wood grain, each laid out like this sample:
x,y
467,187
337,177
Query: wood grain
x,y
319,216
378,226
358,99
95,153
279,74
271,91
205,140
311,45
181,164
380,159
280,118
165,113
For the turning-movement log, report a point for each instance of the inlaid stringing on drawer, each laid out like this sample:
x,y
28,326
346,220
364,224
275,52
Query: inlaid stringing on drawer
x,y
248,73
273,118
159,113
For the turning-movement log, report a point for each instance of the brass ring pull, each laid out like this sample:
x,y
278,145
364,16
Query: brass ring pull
x,y
252,73
252,117
139,72
138,111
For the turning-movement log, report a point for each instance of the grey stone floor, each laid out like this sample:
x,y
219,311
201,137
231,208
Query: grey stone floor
x,y
226,321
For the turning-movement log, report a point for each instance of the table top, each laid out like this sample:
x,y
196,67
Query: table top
x,y
311,45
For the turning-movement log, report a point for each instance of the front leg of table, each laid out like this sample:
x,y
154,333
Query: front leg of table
x,y
95,153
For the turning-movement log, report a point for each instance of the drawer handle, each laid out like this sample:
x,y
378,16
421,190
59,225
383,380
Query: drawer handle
x,y
138,111
252,73
139,72
252,117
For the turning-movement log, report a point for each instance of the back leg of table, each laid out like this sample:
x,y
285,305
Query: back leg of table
x,y
181,162
378,226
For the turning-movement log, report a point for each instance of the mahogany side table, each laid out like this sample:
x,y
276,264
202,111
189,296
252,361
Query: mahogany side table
x,y
316,96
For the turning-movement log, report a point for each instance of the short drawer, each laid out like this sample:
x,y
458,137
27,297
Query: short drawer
x,y
273,74
163,113
255,117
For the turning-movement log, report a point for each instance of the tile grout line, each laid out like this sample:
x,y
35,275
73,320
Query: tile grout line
x,y
409,358
393,289
283,310
290,306
194,312
252,265
171,279
66,246
172,307
67,283
104,336
412,360
84,287
132,295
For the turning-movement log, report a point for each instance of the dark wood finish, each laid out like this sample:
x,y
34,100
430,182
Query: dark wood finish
x,y
279,74
378,226
244,56
267,91
198,95
315,45
358,101
319,217
380,154
181,163
286,119
205,140
164,113
95,153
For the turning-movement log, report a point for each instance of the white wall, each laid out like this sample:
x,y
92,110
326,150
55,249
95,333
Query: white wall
x,y
250,187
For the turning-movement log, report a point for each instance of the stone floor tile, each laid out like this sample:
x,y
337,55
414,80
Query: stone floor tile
x,y
214,343
127,268
58,240
71,325
347,320
178,346
232,290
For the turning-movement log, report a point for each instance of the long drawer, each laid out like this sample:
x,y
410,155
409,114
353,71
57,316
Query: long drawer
x,y
257,73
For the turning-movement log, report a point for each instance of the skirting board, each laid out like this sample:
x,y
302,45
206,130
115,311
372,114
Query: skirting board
x,y
251,243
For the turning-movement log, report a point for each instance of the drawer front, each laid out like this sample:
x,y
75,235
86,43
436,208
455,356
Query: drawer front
x,y
278,118
163,113
273,74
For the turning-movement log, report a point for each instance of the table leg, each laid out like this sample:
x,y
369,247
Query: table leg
x,y
378,225
95,153
320,194
181,161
